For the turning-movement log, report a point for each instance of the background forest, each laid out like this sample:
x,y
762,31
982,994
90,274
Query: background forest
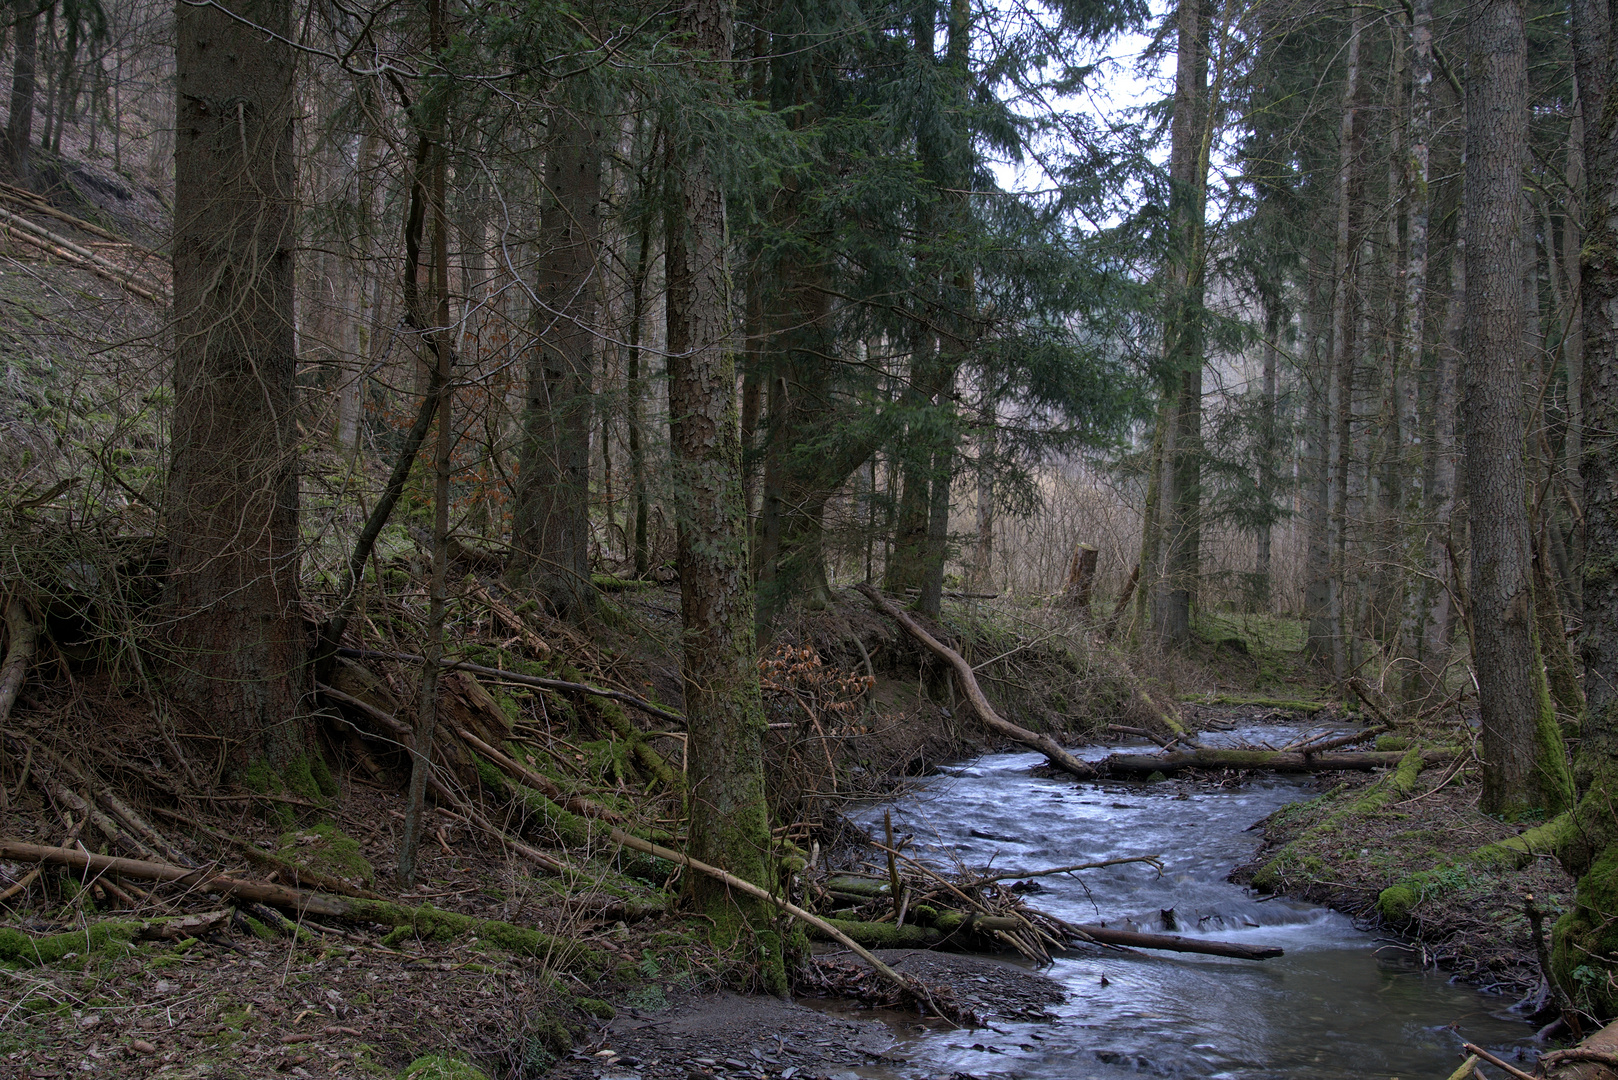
x,y
540,303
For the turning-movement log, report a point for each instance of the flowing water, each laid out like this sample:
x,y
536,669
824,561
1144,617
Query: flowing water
x,y
1340,1003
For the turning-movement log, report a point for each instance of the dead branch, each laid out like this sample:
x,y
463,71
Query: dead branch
x,y
903,982
85,259
518,677
1059,757
19,654
1271,760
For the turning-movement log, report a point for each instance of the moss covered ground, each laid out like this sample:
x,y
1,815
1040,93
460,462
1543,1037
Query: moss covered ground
x,y
1411,851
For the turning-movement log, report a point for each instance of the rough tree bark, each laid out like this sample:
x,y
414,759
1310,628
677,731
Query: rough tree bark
x,y
1585,936
552,516
728,814
1180,480
232,510
20,120
1419,547
1524,763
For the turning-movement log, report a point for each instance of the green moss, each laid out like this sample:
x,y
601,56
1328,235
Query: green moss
x,y
1398,902
1298,859
596,1008
110,938
439,1067
432,924
1585,939
326,848
609,583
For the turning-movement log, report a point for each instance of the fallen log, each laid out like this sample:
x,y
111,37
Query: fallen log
x,y
1596,1058
1174,943
1059,758
429,922
955,924
1269,760
905,983
19,654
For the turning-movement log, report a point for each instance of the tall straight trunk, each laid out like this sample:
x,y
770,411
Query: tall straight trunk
x,y
1573,355
1417,679
20,120
908,567
551,521
1343,319
931,601
1524,767
429,692
983,550
729,819
1180,484
232,505
1261,591
1315,466
634,395
1441,468
1584,940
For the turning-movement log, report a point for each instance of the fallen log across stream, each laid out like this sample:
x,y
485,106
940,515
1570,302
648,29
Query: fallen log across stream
x,y
958,925
1059,758
1269,760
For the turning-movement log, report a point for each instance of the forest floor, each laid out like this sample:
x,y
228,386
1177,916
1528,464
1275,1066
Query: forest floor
x,y
253,998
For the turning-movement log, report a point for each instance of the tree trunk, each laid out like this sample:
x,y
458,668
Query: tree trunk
x,y
729,817
1180,485
1585,937
551,521
1524,767
433,650
232,510
1343,319
1417,682
634,394
1262,589
20,120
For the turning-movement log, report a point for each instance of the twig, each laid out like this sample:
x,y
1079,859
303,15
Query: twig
x,y
1496,1062
1156,861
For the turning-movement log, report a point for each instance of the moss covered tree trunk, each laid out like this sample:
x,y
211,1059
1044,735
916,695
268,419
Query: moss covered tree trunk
x,y
1525,766
1586,936
232,499
729,823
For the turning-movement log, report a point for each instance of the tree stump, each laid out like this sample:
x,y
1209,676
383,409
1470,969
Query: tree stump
x,y
1081,579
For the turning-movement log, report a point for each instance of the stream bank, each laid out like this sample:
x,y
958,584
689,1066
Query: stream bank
x,y
1361,837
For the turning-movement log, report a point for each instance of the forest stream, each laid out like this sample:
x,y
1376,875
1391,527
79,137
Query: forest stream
x,y
1342,1002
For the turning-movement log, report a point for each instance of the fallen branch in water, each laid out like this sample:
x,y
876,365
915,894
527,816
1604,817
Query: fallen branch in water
x,y
955,923
1271,760
904,982
1156,862
990,719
